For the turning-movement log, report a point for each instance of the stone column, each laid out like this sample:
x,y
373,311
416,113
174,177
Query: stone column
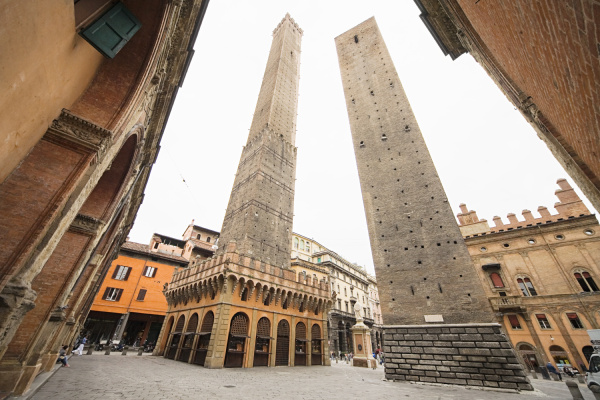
x,y
292,361
252,340
217,347
273,347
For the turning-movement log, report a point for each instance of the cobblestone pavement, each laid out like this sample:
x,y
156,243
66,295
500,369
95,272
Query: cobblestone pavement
x,y
132,377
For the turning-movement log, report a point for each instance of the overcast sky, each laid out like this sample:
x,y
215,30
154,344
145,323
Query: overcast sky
x,y
486,154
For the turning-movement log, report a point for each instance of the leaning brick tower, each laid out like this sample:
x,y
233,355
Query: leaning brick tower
x,y
438,323
261,206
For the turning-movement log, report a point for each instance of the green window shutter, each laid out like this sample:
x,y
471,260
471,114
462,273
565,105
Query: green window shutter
x,y
109,33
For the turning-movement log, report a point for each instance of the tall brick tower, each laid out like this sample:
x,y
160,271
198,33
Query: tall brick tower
x,y
439,324
246,306
261,205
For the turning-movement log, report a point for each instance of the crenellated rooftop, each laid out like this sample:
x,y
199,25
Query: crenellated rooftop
x,y
569,206
288,18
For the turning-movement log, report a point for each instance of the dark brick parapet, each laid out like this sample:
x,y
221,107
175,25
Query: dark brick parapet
x,y
459,354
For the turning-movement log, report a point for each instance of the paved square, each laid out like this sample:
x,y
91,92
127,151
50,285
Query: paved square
x,y
147,377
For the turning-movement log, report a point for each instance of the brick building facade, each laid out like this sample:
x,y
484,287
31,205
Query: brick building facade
x,y
544,56
84,107
541,276
247,306
438,323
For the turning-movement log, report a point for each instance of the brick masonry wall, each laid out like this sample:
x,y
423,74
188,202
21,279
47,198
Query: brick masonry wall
x,y
473,355
261,206
422,264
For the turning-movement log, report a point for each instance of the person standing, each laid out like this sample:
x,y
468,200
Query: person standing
x,y
81,344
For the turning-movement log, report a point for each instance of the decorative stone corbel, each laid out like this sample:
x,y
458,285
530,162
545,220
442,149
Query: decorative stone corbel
x,y
87,224
71,128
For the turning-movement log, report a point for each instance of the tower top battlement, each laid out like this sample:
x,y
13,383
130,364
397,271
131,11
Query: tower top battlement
x,y
289,19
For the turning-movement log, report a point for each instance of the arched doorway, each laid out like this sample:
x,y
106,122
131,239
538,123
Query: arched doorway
x,y
188,339
204,338
559,355
300,356
529,356
316,354
176,338
342,337
282,354
236,345
263,343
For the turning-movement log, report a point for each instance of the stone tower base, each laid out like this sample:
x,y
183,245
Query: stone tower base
x,y
456,354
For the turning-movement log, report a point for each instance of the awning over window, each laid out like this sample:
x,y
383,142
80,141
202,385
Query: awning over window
x,y
492,266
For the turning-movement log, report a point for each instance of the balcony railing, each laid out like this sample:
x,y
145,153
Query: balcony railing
x,y
505,303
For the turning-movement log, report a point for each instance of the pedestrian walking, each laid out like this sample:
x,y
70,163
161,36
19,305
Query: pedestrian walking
x,y
553,370
82,343
62,356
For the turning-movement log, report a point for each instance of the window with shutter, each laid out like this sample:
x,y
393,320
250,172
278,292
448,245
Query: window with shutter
x,y
526,287
109,33
496,280
112,294
150,272
575,321
121,273
543,321
141,295
514,322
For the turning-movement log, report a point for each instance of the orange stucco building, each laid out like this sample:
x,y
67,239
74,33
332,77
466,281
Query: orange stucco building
x,y
542,277
130,306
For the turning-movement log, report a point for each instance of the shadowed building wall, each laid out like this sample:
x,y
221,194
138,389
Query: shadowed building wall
x,y
543,55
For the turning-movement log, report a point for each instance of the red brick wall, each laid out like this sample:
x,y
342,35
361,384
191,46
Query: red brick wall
x,y
550,50
48,285
50,169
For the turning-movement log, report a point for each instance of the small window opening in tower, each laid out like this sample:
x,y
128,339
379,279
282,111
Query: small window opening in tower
x,y
384,137
355,38
372,94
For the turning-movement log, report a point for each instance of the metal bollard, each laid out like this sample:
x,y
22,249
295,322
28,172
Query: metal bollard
x,y
140,351
336,360
574,389
596,390
534,374
124,353
90,350
107,351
